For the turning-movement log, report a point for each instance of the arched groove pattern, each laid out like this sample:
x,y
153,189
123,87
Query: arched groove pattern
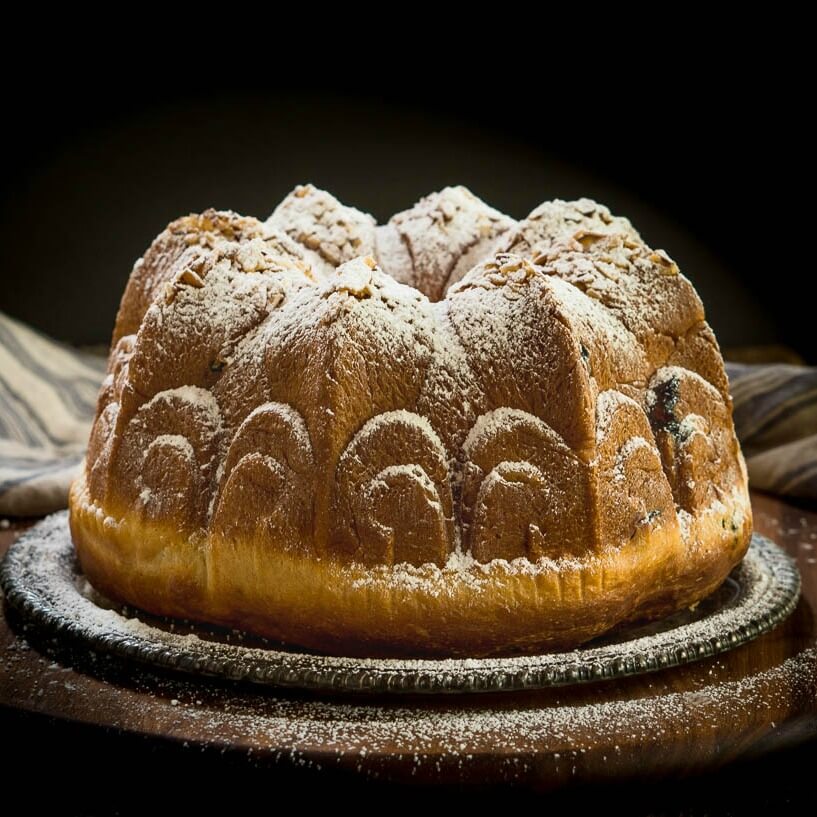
x,y
695,437
170,461
393,477
633,493
169,451
100,447
517,507
269,468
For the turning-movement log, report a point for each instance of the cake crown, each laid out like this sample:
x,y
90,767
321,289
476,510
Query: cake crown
x,y
452,382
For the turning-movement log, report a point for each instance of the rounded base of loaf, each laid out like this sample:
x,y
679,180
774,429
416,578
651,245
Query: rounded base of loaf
x,y
463,609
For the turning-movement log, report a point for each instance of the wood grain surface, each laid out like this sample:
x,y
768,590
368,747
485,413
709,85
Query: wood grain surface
x,y
760,697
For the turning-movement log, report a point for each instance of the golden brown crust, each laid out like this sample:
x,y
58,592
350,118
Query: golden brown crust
x,y
156,267
554,220
434,244
329,232
331,459
354,609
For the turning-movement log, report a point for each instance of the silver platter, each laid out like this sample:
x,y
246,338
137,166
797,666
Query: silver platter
x,y
42,583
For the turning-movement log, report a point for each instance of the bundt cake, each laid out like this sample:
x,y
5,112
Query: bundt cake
x,y
449,435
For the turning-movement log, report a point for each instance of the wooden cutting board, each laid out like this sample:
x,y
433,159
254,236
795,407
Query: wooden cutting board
x,y
753,699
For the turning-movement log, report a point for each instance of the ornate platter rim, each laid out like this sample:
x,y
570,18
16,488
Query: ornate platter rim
x,y
40,579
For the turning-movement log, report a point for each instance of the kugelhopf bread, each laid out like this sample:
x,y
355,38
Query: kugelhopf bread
x,y
292,442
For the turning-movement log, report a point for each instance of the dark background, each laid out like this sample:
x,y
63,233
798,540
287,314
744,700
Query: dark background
x,y
708,164
700,138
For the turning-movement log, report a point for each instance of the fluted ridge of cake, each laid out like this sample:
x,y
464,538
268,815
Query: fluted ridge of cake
x,y
340,403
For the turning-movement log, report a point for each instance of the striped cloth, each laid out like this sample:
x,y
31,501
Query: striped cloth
x,y
775,411
48,395
47,400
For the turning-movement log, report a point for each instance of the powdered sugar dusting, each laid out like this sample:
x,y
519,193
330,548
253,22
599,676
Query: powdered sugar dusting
x,y
505,369
666,373
42,563
691,424
445,234
607,403
408,418
643,289
495,421
626,451
554,220
194,396
175,441
329,231
359,294
463,570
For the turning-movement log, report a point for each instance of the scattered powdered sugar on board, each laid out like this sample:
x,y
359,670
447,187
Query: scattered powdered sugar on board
x,y
404,738
452,730
444,738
